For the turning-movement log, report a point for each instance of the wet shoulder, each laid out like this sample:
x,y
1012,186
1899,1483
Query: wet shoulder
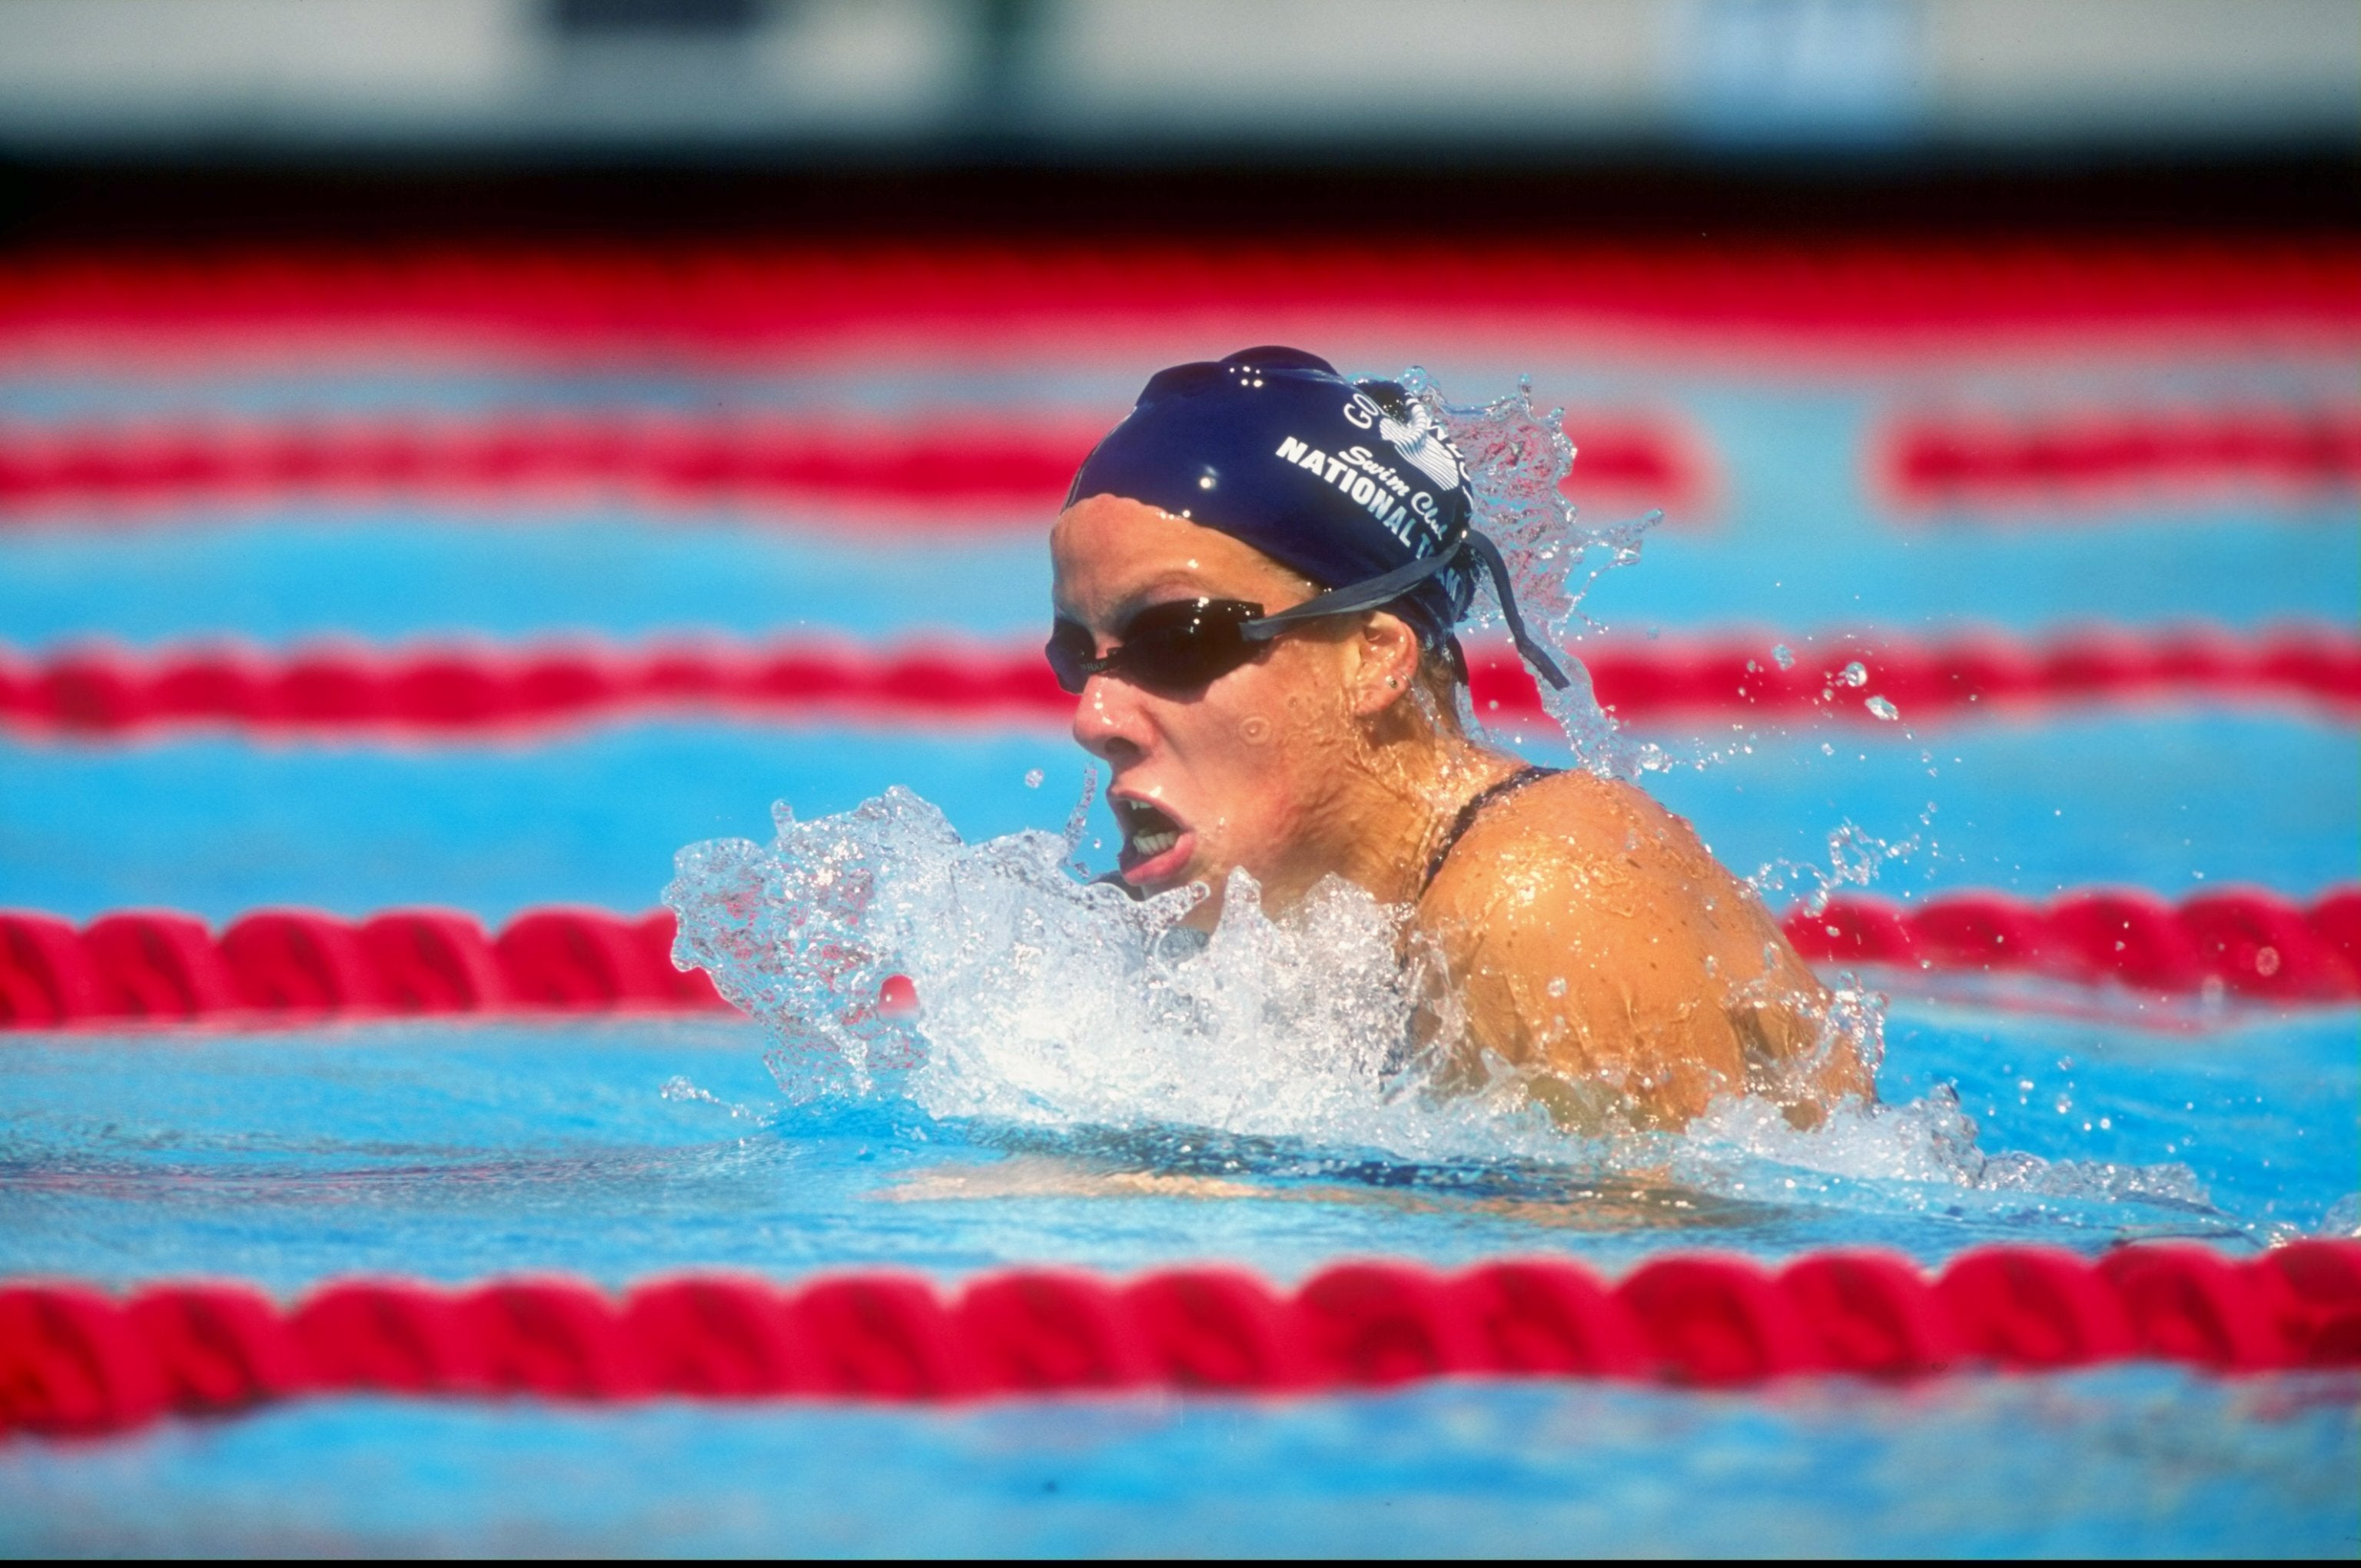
x,y
1572,838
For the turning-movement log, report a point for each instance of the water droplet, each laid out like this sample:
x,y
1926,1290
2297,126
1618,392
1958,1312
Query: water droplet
x,y
1854,674
1782,655
1882,708
1033,778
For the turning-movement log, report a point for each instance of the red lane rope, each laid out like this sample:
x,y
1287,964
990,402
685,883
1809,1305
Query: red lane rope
x,y
950,472
741,301
444,691
951,468
2249,943
75,1361
2121,459
299,966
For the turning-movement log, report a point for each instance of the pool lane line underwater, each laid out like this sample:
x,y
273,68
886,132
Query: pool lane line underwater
x,y
76,1360
423,691
159,967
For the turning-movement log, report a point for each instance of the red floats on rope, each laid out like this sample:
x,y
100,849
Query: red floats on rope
x,y
296,966
2117,458
932,476
75,1361
944,474
2251,944
852,302
431,692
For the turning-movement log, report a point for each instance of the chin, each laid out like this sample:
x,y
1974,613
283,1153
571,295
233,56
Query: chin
x,y
1207,913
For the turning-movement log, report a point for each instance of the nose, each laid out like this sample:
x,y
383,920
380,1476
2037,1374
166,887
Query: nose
x,y
1109,722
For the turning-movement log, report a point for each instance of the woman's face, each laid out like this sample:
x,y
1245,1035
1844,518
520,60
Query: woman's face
x,y
1243,773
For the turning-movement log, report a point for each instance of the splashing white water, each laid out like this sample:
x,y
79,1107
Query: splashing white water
x,y
1516,458
1049,1000
1855,856
1930,1141
1066,1006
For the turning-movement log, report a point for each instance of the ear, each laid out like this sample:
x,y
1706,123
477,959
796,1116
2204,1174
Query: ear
x,y
1386,663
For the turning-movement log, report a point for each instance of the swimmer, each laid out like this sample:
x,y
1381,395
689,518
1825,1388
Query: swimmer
x,y
1257,575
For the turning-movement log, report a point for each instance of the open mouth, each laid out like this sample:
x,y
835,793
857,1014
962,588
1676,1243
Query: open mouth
x,y
1155,844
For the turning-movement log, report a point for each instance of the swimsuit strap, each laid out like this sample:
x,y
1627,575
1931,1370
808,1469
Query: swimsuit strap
x,y
1475,808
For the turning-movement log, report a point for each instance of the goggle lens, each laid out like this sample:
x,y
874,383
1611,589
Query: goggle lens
x,y
1071,653
1171,648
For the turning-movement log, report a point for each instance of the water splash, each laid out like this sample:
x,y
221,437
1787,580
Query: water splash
x,y
1515,459
1064,1011
1048,1000
1929,1143
679,1088
1855,858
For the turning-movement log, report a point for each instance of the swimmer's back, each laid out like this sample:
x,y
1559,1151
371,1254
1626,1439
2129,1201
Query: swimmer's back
x,y
1595,941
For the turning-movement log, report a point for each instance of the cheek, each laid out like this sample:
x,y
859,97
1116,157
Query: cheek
x,y
1237,754
1269,764
1237,744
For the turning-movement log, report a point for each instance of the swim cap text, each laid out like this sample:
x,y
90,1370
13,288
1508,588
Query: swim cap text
x,y
1374,487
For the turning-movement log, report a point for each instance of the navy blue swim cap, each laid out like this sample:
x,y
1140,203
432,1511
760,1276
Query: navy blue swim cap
x,y
1351,484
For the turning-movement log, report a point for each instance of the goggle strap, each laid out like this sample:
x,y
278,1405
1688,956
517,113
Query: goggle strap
x,y
1380,591
1374,594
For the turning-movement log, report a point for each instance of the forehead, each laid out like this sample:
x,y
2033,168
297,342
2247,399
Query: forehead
x,y
1108,556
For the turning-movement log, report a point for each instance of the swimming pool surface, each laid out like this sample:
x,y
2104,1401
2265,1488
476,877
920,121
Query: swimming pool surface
x,y
619,1148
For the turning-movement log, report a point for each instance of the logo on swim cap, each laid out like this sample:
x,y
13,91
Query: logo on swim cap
x,y
1415,434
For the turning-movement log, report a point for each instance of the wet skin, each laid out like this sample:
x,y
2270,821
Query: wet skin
x,y
1579,933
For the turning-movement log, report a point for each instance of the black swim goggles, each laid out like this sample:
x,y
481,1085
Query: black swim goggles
x,y
1172,649
1186,645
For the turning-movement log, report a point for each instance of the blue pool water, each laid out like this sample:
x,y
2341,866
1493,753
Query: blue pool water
x,y
2169,801
455,1153
2135,1460
619,1150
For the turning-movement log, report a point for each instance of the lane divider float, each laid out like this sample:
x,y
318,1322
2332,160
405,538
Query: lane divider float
x,y
292,967
443,691
954,468
2114,458
76,1360
948,473
893,301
